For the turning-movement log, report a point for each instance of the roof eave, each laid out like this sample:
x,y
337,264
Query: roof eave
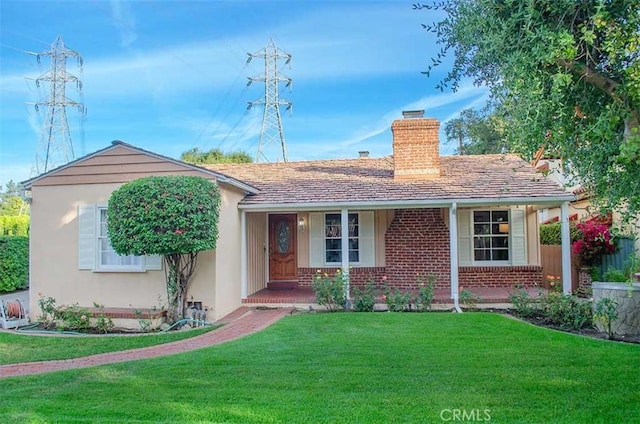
x,y
219,176
394,204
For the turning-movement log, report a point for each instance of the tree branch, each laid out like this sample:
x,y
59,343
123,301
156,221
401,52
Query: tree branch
x,y
594,78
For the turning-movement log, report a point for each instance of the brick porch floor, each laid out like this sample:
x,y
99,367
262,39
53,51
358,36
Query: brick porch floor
x,y
305,296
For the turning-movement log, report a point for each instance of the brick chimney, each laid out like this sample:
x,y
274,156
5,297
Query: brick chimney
x,y
416,152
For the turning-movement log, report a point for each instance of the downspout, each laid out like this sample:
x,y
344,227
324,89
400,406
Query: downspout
x,y
344,234
565,241
453,254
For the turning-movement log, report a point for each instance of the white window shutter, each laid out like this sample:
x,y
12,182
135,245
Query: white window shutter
x,y
518,238
464,237
316,239
87,237
153,262
367,239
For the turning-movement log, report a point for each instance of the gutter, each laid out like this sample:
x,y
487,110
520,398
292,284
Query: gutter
x,y
386,204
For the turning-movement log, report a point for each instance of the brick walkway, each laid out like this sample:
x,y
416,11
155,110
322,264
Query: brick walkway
x,y
239,323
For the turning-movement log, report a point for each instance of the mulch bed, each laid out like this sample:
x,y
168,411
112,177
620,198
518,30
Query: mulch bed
x,y
587,332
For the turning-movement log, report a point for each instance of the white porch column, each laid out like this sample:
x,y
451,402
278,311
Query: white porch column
x,y
344,226
243,255
453,253
566,248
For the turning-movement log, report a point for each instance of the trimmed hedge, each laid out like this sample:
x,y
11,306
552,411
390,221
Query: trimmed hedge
x,y
14,225
14,263
551,233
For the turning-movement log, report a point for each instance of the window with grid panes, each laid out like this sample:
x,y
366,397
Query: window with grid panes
x,y
491,236
107,257
333,238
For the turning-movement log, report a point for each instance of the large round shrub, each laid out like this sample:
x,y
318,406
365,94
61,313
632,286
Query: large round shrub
x,y
173,216
164,215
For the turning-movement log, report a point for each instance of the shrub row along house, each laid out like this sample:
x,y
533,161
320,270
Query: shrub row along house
x,y
468,220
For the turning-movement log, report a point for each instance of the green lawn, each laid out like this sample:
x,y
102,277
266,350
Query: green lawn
x,y
354,368
15,348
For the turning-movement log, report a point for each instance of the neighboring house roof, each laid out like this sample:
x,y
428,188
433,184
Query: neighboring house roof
x,y
481,179
61,170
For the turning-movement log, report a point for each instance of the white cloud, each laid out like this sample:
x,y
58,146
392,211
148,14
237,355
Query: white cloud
x,y
320,46
124,21
428,104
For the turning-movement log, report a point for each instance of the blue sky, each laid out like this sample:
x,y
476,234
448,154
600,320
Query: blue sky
x,y
168,76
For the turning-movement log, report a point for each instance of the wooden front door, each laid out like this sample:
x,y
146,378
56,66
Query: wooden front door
x,y
283,263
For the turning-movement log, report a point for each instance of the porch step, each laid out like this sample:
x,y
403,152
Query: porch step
x,y
282,285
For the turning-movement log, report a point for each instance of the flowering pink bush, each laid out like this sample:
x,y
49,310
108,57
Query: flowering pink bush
x,y
596,241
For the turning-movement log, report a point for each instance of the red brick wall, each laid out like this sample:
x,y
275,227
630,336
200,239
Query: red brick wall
x,y
499,276
416,152
357,276
417,243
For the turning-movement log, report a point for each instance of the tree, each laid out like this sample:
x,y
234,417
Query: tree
x,y
10,201
198,157
477,133
172,216
566,76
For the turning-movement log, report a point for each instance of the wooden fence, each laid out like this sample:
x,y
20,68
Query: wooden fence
x,y
551,260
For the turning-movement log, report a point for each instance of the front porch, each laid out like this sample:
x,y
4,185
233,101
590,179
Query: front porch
x,y
490,297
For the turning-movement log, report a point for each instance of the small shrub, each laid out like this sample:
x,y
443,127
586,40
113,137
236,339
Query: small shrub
x,y
329,290
14,263
594,273
48,307
554,283
144,323
364,300
425,296
613,275
605,313
631,266
566,311
104,324
523,304
397,300
72,317
469,299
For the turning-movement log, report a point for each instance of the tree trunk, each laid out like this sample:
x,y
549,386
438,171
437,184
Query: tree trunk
x,y
178,271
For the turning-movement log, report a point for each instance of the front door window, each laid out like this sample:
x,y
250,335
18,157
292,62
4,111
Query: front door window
x,y
283,237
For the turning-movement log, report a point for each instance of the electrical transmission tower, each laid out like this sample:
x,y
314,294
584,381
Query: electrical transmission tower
x,y
271,132
55,147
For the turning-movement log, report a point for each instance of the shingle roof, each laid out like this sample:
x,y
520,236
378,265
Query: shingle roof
x,y
494,177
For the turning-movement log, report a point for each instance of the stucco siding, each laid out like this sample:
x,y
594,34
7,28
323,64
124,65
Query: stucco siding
x,y
54,255
228,295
